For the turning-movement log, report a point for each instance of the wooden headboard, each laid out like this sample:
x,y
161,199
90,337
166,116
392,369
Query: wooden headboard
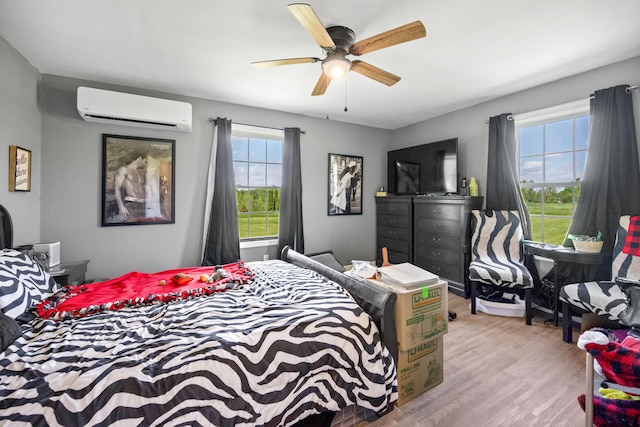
x,y
379,303
6,229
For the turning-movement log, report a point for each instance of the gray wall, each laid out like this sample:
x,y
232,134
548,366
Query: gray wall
x,y
72,179
20,125
39,113
473,133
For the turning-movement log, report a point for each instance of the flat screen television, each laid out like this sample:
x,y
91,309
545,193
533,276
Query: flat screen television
x,y
430,169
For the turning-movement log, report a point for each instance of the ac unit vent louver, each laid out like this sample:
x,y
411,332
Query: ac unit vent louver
x,y
105,106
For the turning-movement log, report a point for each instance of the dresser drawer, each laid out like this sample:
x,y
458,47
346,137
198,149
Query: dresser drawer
x,y
445,271
394,208
395,233
440,256
394,221
437,240
397,257
438,211
429,225
394,245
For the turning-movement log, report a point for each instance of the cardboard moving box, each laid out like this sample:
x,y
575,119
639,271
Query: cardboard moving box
x,y
420,313
420,369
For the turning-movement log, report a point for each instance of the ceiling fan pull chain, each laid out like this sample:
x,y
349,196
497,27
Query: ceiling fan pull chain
x,y
345,96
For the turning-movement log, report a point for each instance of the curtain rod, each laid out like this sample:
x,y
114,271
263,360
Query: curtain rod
x,y
509,117
211,119
626,89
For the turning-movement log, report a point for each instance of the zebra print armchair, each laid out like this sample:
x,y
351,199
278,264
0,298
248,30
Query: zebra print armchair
x,y
604,298
497,257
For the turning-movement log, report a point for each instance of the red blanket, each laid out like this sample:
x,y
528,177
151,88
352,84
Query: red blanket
x,y
136,289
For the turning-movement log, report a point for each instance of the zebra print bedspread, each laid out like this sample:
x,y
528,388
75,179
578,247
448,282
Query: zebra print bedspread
x,y
270,353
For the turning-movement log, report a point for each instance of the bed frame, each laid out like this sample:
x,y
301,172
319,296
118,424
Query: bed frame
x,y
6,229
378,302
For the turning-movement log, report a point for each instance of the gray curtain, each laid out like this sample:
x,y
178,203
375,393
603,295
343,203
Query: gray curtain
x,y
222,237
503,190
611,184
290,231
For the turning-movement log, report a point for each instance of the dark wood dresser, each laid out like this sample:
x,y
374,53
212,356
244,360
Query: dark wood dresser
x,y
432,232
441,237
394,230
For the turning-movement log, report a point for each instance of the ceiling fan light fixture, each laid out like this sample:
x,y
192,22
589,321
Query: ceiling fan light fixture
x,y
336,66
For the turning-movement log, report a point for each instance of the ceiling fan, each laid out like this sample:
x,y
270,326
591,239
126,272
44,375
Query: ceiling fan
x,y
337,42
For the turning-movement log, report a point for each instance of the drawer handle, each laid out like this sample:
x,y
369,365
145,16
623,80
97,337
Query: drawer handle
x,y
434,253
436,226
437,211
436,240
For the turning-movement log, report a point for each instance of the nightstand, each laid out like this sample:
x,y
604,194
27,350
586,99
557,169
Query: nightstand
x,y
69,273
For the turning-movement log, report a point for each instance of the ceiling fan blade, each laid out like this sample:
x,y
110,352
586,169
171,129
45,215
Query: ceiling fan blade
x,y
405,33
375,73
287,61
310,21
321,86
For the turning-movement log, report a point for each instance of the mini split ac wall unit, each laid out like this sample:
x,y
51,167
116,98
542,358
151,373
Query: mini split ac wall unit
x,y
105,106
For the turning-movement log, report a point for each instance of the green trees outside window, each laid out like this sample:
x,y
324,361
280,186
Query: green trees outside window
x,y
258,212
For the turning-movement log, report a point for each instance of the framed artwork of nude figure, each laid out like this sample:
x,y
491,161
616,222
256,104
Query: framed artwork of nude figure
x,y
137,180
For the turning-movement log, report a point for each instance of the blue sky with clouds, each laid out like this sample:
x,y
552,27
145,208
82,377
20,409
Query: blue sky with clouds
x,y
552,145
257,162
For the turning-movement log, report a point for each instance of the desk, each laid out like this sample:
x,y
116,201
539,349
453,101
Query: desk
x,y
561,254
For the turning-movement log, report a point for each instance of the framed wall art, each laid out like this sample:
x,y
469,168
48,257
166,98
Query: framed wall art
x,y
19,169
137,180
345,185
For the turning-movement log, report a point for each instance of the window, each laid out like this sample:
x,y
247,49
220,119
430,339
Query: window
x,y
257,164
552,153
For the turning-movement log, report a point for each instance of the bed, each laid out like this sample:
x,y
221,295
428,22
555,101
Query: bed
x,y
295,342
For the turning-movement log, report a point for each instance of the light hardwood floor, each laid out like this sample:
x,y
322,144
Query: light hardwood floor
x,y
499,372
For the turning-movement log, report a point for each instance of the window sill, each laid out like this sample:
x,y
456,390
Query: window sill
x,y
258,243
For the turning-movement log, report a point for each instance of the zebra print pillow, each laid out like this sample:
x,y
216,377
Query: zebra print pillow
x,y
22,283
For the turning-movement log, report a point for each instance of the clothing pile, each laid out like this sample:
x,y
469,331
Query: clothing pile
x,y
617,358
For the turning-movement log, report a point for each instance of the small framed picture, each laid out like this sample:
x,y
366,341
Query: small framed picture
x,y
137,180
19,169
345,185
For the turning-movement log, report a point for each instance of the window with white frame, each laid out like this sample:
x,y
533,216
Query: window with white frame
x,y
257,164
552,155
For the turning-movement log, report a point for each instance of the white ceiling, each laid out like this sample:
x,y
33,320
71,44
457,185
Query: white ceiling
x,y
474,50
